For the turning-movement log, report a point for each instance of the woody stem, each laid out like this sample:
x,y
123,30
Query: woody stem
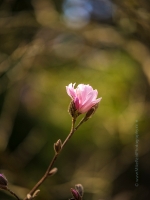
x,y
32,191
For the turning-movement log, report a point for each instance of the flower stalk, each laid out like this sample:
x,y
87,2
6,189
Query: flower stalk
x,y
47,173
12,193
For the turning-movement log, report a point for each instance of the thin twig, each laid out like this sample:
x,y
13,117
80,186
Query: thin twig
x,y
73,129
11,192
81,122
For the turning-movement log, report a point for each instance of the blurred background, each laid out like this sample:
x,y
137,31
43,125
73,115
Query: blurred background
x,y
44,46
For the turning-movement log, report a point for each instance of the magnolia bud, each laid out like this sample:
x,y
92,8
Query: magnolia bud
x,y
53,171
58,146
75,194
3,180
80,189
35,193
72,110
90,112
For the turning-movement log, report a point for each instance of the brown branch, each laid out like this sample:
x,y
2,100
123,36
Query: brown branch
x,y
33,190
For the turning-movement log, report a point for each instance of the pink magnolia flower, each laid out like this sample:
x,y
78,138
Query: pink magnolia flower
x,y
84,96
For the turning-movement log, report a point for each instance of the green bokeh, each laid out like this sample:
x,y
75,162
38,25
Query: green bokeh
x,y
39,56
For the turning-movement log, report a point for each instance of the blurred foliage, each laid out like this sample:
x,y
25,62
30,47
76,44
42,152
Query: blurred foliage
x,y
45,45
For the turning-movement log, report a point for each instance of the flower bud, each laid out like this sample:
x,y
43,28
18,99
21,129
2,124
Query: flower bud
x,y
35,193
3,180
80,189
75,194
72,110
53,171
91,112
57,146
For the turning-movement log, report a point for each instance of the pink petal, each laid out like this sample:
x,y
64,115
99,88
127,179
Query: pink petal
x,y
71,91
